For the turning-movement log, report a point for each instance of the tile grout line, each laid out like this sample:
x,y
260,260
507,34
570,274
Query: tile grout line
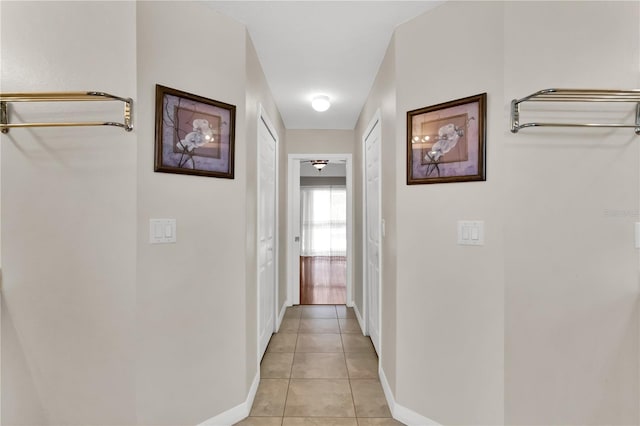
x,y
293,360
353,400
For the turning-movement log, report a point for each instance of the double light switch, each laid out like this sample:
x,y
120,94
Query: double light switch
x,y
162,231
471,232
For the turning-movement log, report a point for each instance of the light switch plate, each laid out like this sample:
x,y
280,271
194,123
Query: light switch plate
x,y
637,226
162,231
471,232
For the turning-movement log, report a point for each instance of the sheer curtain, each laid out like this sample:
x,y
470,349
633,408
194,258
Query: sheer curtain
x,y
324,221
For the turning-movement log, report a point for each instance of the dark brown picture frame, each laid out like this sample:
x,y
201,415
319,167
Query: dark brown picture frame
x,y
447,142
194,135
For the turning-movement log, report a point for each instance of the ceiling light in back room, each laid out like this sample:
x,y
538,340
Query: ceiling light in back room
x,y
319,164
320,103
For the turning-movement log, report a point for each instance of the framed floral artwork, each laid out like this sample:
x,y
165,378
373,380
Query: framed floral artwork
x,y
446,142
194,135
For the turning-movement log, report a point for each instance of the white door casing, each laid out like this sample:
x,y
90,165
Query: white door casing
x,y
372,227
267,238
294,233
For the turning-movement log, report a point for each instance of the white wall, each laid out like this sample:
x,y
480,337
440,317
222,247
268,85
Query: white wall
x,y
191,300
20,402
320,141
323,181
68,219
99,326
571,273
103,327
540,325
450,320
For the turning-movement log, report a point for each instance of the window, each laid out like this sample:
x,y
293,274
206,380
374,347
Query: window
x,y
324,221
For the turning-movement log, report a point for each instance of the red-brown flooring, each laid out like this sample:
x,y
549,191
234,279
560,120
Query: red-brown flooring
x,y
323,280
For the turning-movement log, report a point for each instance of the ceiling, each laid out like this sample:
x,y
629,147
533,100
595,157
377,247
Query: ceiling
x,y
321,47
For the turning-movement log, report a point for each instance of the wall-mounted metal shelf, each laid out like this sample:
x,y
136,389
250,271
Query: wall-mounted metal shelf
x,y
576,95
7,98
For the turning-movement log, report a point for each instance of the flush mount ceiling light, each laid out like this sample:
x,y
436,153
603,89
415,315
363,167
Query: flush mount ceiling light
x,y
319,164
320,103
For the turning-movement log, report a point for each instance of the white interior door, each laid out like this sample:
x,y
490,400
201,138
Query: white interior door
x,y
372,231
266,235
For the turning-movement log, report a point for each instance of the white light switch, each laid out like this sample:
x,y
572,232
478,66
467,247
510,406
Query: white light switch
x,y
162,231
637,234
465,232
471,232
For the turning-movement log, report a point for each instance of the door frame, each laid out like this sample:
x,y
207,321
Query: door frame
x,y
293,217
264,118
375,120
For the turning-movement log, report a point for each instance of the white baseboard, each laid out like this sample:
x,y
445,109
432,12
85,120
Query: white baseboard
x,y
359,317
399,412
281,315
237,413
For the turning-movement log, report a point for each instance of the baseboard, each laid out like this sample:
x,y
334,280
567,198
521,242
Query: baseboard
x,y
237,413
281,315
358,317
399,412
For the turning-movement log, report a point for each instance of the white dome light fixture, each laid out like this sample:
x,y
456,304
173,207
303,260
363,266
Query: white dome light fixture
x,y
320,103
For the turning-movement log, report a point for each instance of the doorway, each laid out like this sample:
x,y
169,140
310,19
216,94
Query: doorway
x,y
319,248
323,234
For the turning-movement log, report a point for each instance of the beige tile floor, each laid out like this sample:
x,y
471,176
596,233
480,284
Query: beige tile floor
x,y
319,370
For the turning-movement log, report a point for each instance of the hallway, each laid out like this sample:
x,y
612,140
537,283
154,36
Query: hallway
x,y
319,370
